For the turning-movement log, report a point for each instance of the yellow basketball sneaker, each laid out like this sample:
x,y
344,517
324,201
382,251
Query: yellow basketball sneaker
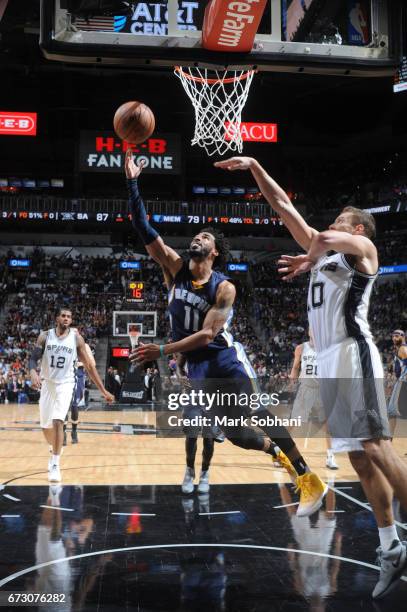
x,y
312,492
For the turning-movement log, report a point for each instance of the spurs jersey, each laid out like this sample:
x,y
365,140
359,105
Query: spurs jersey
x,y
309,372
59,358
338,301
188,305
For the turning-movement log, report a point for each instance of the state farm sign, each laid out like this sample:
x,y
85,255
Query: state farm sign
x,y
231,24
252,132
18,124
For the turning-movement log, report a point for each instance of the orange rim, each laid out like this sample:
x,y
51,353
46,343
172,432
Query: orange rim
x,y
243,76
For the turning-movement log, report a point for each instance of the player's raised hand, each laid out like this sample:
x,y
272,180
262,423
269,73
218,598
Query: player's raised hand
x,y
294,266
235,163
144,353
132,169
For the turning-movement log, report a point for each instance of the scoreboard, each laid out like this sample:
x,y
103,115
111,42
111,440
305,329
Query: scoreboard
x,y
135,291
124,218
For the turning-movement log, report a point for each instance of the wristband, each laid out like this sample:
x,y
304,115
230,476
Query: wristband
x,y
162,346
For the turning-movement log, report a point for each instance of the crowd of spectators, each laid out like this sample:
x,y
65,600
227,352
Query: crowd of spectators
x,y
270,318
91,286
367,181
391,248
281,313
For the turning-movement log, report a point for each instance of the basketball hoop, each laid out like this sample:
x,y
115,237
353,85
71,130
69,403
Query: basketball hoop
x,y
218,99
134,335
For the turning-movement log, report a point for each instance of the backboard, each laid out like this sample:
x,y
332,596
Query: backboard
x,y
336,37
124,321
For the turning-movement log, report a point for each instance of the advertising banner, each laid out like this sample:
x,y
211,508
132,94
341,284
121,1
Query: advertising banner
x,y
101,151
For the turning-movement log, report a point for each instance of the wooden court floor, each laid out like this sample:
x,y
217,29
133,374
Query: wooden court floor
x,y
109,452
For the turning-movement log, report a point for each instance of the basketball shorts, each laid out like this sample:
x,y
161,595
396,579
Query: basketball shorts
x,y
398,399
230,362
55,401
352,391
308,398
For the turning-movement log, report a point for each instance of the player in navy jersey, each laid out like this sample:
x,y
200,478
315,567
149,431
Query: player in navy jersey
x,y
78,400
201,308
399,394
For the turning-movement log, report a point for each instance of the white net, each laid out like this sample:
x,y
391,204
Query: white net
x,y
218,99
134,333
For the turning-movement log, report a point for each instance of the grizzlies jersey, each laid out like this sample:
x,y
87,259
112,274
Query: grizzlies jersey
x,y
59,358
188,305
338,301
400,366
308,371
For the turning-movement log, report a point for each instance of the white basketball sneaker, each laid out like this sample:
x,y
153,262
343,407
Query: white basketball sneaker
x,y
50,457
55,474
330,461
203,486
188,482
393,562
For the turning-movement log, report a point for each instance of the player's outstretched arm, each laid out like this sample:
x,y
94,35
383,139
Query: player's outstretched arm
x,y
360,247
90,367
276,197
213,323
34,359
155,246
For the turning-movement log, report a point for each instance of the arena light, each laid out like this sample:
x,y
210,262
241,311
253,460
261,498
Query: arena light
x,y
96,7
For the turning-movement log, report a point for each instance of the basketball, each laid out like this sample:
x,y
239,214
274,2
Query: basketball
x,y
134,122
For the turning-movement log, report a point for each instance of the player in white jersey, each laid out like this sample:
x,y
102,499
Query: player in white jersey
x,y
308,396
350,370
58,350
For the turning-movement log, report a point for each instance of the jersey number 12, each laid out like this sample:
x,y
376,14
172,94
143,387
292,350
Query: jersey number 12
x,y
60,362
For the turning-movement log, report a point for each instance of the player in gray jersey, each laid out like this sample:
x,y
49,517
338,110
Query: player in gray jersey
x,y
308,396
58,349
350,369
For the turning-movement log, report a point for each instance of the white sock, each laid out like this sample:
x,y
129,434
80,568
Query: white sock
x,y
387,535
330,452
55,459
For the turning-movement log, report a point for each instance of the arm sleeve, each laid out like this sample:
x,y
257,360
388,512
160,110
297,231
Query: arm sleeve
x,y
138,214
35,357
